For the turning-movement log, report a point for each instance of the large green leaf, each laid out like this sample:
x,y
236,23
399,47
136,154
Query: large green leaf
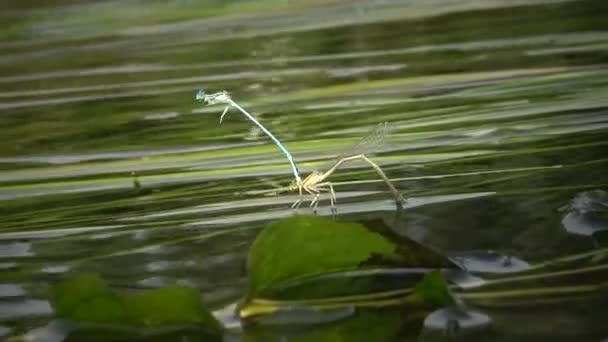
x,y
88,300
169,305
302,246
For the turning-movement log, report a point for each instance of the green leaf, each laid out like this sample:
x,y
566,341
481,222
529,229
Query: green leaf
x,y
87,298
302,246
169,306
432,291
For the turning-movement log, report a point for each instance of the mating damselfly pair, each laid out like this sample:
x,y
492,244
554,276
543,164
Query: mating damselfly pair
x,y
317,182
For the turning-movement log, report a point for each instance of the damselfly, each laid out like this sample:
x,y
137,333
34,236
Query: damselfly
x,y
223,97
317,182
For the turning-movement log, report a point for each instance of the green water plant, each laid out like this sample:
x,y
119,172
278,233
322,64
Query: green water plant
x,y
89,304
318,262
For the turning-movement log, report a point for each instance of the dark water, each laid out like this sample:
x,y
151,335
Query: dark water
x,y
499,115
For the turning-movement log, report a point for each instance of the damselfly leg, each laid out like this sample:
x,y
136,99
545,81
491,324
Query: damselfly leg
x,y
315,183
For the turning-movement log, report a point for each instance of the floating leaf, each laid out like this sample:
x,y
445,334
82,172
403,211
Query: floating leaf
x,y
88,302
87,298
305,257
302,246
169,305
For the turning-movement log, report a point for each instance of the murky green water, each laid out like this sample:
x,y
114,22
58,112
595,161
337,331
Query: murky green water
x,y
499,113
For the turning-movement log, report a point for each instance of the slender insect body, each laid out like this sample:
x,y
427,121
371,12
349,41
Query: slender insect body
x,y
316,182
223,97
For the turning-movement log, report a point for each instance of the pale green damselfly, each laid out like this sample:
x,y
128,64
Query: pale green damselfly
x,y
316,182
224,98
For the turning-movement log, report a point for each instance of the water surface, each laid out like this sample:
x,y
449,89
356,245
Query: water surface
x,y
499,112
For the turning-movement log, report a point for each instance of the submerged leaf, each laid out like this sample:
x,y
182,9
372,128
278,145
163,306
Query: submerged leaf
x,y
302,246
88,300
169,305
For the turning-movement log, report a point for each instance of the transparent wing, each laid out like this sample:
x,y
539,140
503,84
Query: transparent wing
x,y
373,140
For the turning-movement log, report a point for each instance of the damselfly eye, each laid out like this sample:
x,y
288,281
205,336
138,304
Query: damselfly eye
x,y
200,94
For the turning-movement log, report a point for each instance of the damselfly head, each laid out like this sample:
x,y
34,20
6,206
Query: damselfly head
x,y
222,97
200,95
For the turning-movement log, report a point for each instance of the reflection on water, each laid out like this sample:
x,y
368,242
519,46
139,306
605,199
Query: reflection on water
x,y
455,319
587,213
15,250
489,262
497,124
24,309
